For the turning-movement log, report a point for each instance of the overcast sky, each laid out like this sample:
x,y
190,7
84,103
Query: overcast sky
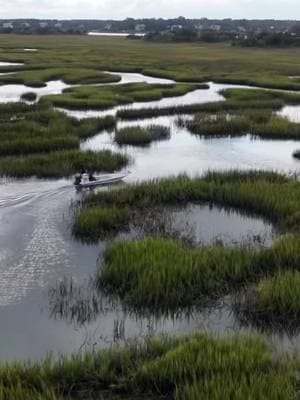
x,y
120,9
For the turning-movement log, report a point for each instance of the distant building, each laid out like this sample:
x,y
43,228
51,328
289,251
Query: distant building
x,y
199,27
8,25
43,25
58,25
215,27
176,27
26,25
140,28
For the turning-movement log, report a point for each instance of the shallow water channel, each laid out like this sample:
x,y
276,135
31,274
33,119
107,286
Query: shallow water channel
x,y
37,249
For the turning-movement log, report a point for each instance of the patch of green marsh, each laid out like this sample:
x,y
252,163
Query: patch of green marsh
x,y
74,75
200,366
257,123
139,136
61,163
97,222
268,194
101,97
275,299
160,274
35,129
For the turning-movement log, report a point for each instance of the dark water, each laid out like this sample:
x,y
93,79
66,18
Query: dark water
x,y
37,248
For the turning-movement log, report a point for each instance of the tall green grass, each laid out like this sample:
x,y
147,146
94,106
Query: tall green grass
x,y
37,145
280,295
252,122
29,96
138,136
80,60
268,194
221,124
278,128
97,222
161,274
70,75
26,130
61,163
102,97
219,369
200,366
213,107
245,95
273,301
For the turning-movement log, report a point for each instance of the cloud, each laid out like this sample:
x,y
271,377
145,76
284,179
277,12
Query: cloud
x,y
119,9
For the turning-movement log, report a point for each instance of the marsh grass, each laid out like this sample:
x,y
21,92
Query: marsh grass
x,y
61,163
244,95
273,302
179,61
162,274
257,123
165,275
38,77
29,96
37,145
267,194
38,131
103,97
139,136
278,128
98,222
157,368
217,125
213,107
88,127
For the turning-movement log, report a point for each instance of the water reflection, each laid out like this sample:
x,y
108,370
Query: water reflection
x,y
194,155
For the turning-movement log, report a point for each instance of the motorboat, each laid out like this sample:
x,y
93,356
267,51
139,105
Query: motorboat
x,y
101,180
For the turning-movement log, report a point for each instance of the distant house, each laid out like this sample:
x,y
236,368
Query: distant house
x,y
25,25
43,25
8,25
199,27
58,25
176,27
215,27
140,28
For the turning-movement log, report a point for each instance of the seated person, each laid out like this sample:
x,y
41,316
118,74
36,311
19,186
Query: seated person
x,y
91,177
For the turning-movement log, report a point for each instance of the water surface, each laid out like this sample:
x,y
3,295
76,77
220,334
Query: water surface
x,y
37,248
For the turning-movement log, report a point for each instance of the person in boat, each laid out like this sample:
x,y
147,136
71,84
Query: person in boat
x,y
77,179
91,177
85,178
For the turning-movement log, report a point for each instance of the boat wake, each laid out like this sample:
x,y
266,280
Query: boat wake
x,y
9,199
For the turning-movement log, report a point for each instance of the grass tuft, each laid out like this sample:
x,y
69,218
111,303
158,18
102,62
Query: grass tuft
x,y
138,136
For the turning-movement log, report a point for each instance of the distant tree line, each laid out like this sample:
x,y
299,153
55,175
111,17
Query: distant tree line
x,y
240,32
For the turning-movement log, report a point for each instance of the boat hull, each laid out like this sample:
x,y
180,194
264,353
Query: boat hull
x,y
108,180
